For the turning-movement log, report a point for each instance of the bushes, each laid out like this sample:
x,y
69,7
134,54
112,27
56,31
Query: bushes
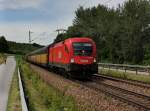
x,y
2,58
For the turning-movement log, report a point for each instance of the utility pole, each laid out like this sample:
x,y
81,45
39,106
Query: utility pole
x,y
30,37
59,31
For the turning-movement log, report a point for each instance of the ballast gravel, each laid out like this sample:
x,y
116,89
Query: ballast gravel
x,y
86,99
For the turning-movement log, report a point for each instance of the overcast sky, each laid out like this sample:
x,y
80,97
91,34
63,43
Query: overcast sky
x,y
42,17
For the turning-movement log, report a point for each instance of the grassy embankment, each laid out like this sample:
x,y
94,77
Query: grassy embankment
x,y
14,102
2,58
123,75
42,97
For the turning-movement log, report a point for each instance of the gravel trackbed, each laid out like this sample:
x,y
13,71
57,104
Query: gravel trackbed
x,y
86,99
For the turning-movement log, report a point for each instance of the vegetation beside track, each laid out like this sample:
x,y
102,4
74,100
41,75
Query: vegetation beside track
x,y
14,102
123,75
42,97
2,58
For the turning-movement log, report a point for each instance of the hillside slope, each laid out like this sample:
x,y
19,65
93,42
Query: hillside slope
x,y
22,48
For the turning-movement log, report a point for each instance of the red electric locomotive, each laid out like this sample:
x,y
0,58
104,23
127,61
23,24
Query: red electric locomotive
x,y
76,56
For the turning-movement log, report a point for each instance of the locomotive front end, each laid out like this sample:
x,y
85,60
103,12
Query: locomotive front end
x,y
83,60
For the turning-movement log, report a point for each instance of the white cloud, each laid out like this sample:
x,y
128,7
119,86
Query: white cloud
x,y
19,4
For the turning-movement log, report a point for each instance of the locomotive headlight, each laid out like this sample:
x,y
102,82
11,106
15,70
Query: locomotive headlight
x,y
94,59
72,60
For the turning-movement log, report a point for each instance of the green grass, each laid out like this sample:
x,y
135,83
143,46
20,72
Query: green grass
x,y
123,75
14,103
43,97
2,58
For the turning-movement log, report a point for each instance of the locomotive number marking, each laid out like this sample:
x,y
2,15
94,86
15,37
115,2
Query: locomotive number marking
x,y
83,60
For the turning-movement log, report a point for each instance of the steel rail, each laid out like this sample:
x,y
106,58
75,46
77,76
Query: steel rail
x,y
132,82
133,98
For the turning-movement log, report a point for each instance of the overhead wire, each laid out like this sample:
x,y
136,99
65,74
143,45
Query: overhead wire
x,y
43,38
108,1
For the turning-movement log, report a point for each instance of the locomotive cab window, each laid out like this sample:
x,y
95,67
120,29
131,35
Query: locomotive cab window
x,y
82,48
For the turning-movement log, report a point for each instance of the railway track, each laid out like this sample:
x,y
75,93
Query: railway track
x,y
133,98
141,101
135,83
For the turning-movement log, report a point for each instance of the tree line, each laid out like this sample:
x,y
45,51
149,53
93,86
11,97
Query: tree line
x,y
122,34
16,48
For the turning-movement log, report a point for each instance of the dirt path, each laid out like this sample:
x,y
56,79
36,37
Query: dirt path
x,y
6,73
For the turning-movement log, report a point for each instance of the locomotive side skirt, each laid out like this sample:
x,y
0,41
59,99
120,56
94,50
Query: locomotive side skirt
x,y
90,68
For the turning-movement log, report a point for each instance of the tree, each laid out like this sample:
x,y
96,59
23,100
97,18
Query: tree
x,y
121,35
136,19
3,44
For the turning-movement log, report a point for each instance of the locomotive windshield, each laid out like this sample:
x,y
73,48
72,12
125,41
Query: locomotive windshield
x,y
83,49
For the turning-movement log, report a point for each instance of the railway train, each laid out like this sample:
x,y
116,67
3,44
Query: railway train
x,y
74,56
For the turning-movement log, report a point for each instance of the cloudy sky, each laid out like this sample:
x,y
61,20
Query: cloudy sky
x,y
42,17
